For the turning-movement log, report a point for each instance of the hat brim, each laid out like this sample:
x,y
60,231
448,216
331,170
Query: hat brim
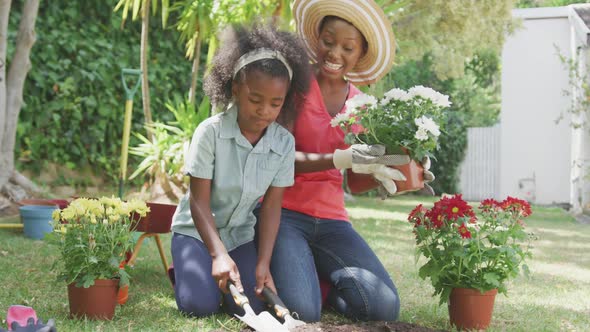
x,y
367,17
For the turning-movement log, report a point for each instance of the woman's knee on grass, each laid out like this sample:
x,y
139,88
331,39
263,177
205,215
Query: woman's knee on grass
x,y
361,295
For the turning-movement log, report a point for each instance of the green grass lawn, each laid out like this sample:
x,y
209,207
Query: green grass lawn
x,y
555,298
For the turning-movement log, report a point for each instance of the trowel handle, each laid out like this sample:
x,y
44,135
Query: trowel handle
x,y
239,298
275,302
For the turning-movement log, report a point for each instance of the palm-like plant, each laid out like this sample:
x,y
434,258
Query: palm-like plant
x,y
163,155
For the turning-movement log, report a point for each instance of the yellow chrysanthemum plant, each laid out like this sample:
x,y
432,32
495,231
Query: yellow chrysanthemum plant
x,y
93,236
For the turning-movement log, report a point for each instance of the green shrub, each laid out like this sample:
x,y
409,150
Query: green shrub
x,y
74,100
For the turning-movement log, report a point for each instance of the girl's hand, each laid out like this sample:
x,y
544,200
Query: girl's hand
x,y
264,278
223,269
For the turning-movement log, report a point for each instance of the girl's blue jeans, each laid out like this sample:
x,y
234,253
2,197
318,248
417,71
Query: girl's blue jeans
x,y
308,247
196,292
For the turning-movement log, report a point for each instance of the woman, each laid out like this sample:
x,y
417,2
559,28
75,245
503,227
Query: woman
x,y
351,42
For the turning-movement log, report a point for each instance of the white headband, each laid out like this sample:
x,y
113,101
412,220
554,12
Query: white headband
x,y
260,54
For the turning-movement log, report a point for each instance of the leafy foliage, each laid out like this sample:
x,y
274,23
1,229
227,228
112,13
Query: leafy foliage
x,y
93,235
477,93
578,91
463,251
73,113
453,145
451,31
163,156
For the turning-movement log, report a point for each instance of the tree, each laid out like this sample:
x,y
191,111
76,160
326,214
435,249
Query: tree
x,y
136,7
12,184
452,31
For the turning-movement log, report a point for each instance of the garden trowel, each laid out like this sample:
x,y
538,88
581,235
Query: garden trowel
x,y
281,309
263,322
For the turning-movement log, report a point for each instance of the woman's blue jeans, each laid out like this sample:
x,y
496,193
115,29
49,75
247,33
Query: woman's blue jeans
x,y
308,247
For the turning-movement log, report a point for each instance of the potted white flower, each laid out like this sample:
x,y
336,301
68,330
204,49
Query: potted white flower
x,y
405,122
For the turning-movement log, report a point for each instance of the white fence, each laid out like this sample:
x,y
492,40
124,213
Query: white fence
x,y
480,171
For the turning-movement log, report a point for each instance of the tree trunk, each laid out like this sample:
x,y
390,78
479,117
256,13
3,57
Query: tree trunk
x,y
195,72
4,14
17,73
145,85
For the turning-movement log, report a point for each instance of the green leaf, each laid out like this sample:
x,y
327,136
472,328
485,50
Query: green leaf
x,y
492,278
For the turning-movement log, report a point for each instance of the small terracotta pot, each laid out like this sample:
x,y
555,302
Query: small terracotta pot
x,y
471,310
414,173
95,302
123,295
360,183
61,203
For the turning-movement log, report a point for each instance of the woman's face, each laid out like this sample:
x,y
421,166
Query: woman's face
x,y
259,98
341,45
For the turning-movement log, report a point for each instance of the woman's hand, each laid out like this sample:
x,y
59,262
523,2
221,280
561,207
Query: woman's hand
x,y
263,278
223,269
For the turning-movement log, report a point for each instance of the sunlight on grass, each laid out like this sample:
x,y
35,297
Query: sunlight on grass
x,y
554,298
563,270
364,213
565,233
408,201
554,243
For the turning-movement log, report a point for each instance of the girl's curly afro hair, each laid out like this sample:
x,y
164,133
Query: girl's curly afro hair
x,y
238,40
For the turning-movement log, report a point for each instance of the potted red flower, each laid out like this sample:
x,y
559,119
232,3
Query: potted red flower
x,y
470,256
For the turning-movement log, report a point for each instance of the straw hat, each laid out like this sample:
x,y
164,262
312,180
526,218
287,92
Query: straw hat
x,y
367,17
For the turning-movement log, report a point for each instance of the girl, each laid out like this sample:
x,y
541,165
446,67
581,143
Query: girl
x,y
350,41
235,158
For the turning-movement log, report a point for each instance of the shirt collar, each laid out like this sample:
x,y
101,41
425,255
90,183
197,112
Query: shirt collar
x,y
229,123
230,129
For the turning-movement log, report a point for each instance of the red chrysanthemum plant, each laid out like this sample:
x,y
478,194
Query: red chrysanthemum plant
x,y
468,250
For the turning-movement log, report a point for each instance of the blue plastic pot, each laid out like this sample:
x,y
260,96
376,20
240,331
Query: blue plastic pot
x,y
36,220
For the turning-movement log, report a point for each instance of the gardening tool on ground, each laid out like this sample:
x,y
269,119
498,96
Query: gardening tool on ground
x,y
129,92
263,322
280,309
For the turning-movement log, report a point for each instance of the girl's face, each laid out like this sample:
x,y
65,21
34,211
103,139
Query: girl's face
x,y
259,98
341,45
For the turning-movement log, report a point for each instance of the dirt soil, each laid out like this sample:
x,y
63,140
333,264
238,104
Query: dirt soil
x,y
364,327
360,327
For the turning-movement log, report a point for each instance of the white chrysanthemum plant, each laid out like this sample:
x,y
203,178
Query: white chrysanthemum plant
x,y
408,121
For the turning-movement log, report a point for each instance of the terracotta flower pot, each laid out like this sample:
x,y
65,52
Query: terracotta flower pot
x,y
158,220
95,302
471,310
414,173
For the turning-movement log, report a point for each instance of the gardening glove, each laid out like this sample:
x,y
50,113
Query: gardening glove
x,y
388,187
34,327
383,174
428,177
362,154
